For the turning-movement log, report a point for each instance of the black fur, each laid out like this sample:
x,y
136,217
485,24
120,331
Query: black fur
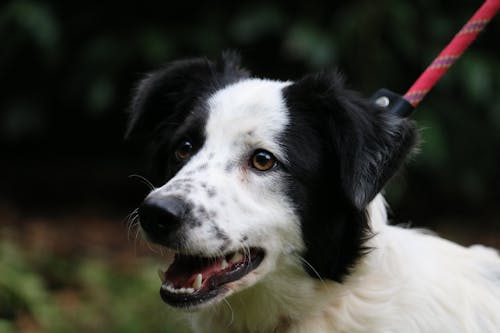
x,y
340,149
175,95
341,152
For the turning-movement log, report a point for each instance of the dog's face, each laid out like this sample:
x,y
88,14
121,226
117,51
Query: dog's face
x,y
256,174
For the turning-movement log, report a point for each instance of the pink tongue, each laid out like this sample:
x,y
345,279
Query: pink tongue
x,y
183,276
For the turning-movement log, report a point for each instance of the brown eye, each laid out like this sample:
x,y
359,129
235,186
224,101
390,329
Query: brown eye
x,y
183,151
263,160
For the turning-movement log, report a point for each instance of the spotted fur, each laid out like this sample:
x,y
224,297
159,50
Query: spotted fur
x,y
332,263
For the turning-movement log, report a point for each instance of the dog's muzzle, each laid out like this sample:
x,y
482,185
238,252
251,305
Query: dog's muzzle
x,y
191,279
161,219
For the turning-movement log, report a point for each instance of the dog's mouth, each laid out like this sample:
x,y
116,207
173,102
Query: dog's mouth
x,y
192,280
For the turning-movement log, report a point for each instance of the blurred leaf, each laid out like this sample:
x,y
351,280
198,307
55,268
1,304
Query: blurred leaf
x,y
306,42
206,39
402,15
494,112
472,185
155,45
6,327
104,300
476,78
100,95
104,53
21,119
254,22
394,191
434,150
37,20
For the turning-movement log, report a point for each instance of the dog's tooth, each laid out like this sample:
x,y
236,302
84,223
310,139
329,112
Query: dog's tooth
x,y
237,257
189,290
161,275
224,264
197,281
169,287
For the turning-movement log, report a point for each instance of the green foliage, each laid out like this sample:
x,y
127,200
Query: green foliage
x,y
254,22
68,69
79,295
33,20
84,61
310,44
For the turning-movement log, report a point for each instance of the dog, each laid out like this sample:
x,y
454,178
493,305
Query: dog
x,y
268,203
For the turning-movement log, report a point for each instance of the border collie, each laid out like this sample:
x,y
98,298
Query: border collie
x,y
267,202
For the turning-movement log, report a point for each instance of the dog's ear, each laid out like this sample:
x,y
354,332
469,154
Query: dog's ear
x,y
370,143
164,96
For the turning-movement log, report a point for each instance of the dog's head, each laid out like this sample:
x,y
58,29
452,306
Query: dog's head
x,y
256,174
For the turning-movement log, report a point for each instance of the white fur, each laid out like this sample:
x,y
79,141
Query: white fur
x,y
247,203
410,281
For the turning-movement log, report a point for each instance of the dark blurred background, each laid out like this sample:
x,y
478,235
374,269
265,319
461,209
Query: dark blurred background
x,y
67,70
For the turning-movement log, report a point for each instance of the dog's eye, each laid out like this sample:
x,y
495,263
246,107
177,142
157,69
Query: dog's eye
x,y
262,160
183,151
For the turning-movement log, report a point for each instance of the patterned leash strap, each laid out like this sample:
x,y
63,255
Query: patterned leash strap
x,y
405,105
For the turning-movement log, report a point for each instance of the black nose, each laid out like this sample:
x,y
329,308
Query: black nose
x,y
160,217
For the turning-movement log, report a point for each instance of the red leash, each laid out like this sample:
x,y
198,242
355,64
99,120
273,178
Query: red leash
x,y
441,64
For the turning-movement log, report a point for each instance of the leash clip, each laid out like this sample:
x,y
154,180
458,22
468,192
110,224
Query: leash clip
x,y
392,102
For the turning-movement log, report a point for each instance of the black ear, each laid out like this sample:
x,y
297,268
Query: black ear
x,y
370,143
164,96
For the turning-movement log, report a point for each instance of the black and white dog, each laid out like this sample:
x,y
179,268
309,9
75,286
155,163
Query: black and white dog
x,y
268,202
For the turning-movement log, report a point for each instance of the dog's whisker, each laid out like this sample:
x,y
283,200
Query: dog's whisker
x,y
130,219
155,248
317,191
132,224
130,231
231,311
143,180
312,268
127,218
133,220
138,238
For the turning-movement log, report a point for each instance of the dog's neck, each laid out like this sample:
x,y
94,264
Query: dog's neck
x,y
269,306
272,306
